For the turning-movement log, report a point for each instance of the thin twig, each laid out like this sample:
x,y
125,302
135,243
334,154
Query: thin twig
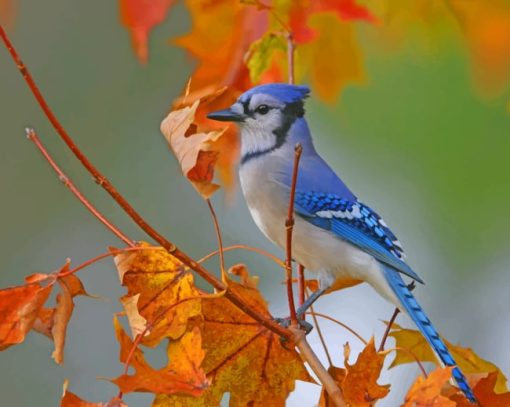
x,y
130,211
102,256
218,236
32,136
321,337
301,285
289,225
336,321
319,332
244,247
388,328
308,355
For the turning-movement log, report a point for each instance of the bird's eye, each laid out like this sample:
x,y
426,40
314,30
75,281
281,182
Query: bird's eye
x,y
262,109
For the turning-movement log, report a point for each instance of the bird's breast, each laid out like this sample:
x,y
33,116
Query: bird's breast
x,y
266,199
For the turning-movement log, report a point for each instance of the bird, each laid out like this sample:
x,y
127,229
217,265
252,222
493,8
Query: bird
x,y
335,235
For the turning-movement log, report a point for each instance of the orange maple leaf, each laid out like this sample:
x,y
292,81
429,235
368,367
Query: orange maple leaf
x,y
485,392
160,292
72,400
358,382
427,391
140,17
183,373
19,307
242,357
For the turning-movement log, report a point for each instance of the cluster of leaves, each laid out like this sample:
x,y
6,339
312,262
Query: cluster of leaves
x,y
213,347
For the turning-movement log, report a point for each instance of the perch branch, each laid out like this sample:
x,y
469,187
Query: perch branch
x,y
130,211
32,136
308,355
289,225
301,285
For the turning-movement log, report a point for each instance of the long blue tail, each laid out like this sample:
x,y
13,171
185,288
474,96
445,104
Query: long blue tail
x,y
426,328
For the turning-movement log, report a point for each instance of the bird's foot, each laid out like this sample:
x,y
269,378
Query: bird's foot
x,y
305,326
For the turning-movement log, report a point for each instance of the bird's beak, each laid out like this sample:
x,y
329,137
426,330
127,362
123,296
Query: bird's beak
x,y
226,115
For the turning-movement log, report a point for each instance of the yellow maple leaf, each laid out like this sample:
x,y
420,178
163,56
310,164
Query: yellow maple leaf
x,y
160,292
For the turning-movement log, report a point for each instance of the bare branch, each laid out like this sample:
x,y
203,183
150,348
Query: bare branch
x,y
32,136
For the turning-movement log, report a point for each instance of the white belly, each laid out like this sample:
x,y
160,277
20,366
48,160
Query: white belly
x,y
318,250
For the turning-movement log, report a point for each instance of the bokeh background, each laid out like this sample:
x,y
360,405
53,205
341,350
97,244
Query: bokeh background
x,y
416,142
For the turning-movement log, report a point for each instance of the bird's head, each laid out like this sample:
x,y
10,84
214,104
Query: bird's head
x,y
265,114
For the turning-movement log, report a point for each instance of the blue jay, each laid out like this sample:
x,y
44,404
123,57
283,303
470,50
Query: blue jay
x,y
335,235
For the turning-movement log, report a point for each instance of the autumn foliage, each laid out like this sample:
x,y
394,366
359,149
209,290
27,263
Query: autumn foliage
x,y
224,340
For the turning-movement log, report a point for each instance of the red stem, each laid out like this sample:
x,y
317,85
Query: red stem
x,y
289,224
32,136
301,285
218,235
388,328
291,47
130,211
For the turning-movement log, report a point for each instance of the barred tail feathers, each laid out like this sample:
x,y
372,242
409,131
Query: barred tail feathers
x,y
423,323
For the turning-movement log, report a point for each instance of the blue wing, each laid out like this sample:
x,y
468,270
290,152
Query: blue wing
x,y
355,223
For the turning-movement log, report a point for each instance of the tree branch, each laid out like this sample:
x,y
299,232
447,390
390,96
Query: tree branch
x,y
32,136
308,356
130,211
388,328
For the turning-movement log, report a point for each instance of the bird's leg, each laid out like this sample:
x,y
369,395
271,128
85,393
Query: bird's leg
x,y
309,302
307,327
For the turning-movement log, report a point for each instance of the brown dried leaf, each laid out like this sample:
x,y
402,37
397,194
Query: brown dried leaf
x,y
195,151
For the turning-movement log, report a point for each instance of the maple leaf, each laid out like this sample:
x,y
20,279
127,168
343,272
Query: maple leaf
x,y
360,386
140,17
72,400
19,307
182,375
301,10
467,360
160,292
194,150
358,382
261,53
485,392
334,55
427,391
242,357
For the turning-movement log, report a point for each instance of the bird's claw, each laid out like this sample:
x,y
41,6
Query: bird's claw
x,y
305,326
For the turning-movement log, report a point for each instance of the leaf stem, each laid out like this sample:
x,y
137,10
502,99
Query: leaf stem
x,y
388,328
129,210
308,355
244,247
289,225
32,136
336,321
218,236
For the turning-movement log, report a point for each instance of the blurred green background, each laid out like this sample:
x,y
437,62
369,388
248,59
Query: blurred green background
x,y
416,142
